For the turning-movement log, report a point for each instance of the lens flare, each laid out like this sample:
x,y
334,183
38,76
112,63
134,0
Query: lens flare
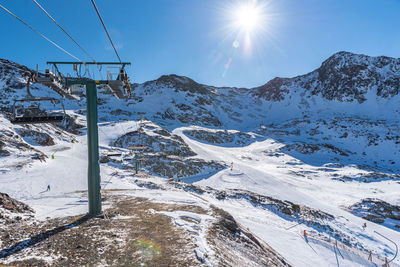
x,y
148,248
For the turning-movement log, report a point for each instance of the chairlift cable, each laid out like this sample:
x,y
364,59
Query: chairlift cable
x,y
30,27
104,26
41,7
64,30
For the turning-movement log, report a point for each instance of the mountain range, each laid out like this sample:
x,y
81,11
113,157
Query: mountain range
x,y
291,169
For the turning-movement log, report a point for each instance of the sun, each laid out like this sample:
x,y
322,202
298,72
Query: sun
x,y
247,25
248,17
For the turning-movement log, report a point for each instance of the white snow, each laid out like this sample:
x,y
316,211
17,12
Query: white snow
x,y
255,169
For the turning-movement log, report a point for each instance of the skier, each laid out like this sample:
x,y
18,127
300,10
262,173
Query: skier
x,y
231,165
48,188
364,226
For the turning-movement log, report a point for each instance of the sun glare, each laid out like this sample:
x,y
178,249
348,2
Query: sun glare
x,y
247,25
248,17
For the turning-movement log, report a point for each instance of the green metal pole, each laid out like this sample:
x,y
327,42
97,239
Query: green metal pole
x,y
137,166
93,150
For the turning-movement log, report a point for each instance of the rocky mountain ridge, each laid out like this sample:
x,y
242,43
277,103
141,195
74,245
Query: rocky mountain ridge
x,y
346,83
343,77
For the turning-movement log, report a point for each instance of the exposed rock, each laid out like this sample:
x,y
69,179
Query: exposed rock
x,y
163,143
274,90
15,206
378,211
33,137
345,77
70,125
221,137
313,148
178,167
232,243
3,152
118,112
164,153
369,177
180,83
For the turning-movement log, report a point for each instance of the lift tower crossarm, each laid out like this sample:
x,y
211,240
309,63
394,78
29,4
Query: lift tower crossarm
x,y
83,81
86,63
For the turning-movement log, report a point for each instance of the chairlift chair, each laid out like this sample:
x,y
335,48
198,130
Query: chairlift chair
x,y
122,82
54,82
48,77
33,114
123,76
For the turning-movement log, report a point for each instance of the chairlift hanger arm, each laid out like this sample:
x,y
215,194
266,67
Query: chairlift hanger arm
x,y
55,63
58,71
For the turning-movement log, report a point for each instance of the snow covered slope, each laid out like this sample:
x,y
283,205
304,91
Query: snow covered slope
x,y
345,84
315,153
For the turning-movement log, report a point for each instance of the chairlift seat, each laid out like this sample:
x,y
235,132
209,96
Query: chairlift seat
x,y
114,155
35,120
54,117
116,88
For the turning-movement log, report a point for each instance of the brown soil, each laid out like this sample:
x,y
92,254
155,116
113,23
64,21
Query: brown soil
x,y
129,234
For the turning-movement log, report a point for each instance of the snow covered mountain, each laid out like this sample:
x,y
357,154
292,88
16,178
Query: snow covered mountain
x,y
315,153
344,77
345,83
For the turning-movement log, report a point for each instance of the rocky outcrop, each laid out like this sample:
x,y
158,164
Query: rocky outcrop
x,y
274,90
313,148
345,77
181,83
12,205
33,137
378,211
163,153
164,142
221,137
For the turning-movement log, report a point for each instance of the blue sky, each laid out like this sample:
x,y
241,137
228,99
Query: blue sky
x,y
194,37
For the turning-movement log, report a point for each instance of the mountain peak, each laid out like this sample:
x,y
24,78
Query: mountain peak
x,y
180,83
348,58
344,76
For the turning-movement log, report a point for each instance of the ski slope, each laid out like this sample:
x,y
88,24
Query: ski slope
x,y
271,176
355,135
252,170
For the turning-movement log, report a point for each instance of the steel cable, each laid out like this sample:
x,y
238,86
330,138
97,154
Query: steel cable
x,y
104,26
30,27
64,30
